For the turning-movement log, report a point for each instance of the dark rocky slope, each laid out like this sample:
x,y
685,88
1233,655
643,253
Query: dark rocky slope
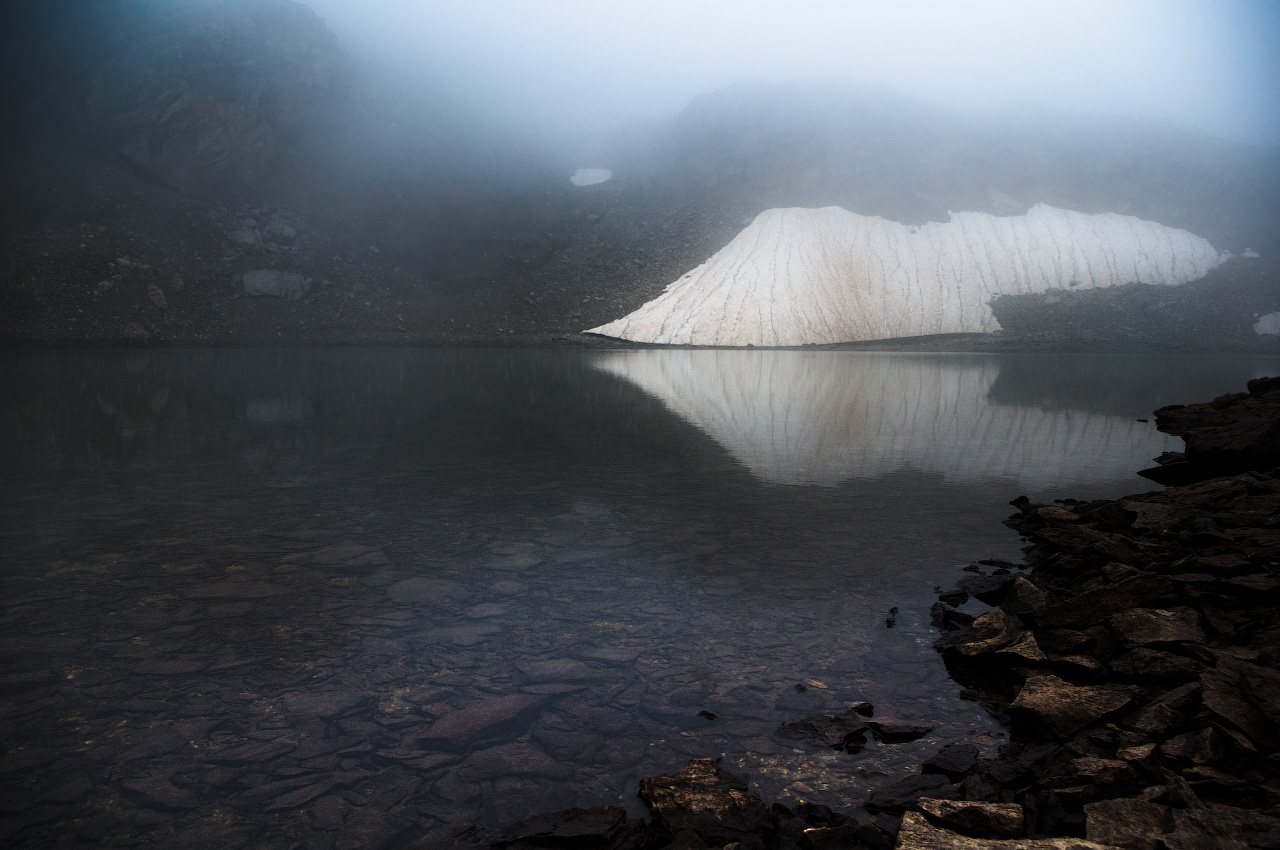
x,y
1135,656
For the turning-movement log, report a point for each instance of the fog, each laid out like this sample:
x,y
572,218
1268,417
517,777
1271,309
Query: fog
x,y
572,68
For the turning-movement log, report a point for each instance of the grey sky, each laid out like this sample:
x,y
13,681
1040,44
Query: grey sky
x,y
577,65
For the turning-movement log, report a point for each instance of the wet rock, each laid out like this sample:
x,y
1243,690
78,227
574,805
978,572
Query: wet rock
x,y
557,670
1062,709
156,296
323,704
987,633
236,590
1231,434
276,284
421,589
510,760
825,730
1150,626
250,752
899,733
158,792
1023,597
902,795
954,760
712,804
980,820
463,725
599,826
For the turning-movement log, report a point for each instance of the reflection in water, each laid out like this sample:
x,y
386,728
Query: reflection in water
x,y
825,418
241,588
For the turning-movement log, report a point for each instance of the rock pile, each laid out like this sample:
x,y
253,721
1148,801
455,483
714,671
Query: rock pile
x,y
1136,655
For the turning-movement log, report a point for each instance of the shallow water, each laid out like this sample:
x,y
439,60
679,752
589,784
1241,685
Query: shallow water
x,y
346,597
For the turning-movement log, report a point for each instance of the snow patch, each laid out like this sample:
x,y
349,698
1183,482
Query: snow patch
x,y
590,176
818,276
1268,325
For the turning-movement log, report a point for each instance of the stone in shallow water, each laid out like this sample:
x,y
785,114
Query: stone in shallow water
x,y
511,759
159,793
557,670
421,589
236,590
460,726
323,704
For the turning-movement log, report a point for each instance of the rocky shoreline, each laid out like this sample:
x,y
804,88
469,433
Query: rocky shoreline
x,y
1135,655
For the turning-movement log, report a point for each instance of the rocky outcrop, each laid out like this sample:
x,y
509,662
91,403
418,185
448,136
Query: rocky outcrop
x,y
1147,716
204,98
822,276
1230,434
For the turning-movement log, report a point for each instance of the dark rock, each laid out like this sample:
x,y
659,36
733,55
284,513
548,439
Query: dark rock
x,y
323,704
1150,626
899,733
159,793
987,633
1223,698
902,795
954,760
1063,709
1104,777
982,820
599,826
1023,597
710,802
1097,606
832,837
988,589
1166,714
824,730
236,590
1128,822
250,752
1144,662
1228,435
463,725
1205,746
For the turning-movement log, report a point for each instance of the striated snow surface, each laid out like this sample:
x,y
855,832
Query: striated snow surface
x,y
825,418
817,276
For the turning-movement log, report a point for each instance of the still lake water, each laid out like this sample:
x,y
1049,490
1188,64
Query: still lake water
x,y
342,598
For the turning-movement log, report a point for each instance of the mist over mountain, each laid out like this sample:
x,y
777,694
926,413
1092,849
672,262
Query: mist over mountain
x,y
156,152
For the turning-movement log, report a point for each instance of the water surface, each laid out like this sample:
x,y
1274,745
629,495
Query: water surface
x,y
347,597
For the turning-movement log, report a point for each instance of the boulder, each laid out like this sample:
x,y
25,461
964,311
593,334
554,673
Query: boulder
x,y
1128,822
1062,709
981,820
1148,626
918,834
710,803
826,730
